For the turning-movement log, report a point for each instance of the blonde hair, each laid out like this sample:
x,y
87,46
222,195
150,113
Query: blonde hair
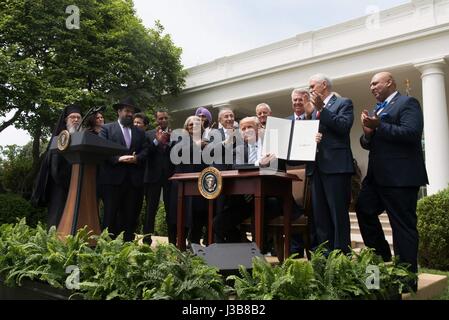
x,y
190,119
252,119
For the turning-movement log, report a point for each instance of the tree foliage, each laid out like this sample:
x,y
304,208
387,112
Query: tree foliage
x,y
45,66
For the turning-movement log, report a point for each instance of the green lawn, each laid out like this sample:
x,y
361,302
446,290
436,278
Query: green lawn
x,y
445,295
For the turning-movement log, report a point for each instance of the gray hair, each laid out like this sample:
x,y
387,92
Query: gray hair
x,y
299,91
223,111
263,104
321,78
190,119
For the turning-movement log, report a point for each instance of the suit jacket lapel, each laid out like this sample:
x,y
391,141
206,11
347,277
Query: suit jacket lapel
x,y
223,135
329,106
119,133
331,102
133,138
391,104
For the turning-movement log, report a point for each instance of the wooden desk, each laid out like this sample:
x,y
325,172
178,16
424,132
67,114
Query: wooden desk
x,y
258,183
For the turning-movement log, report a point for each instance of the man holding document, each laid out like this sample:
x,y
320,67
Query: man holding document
x,y
332,170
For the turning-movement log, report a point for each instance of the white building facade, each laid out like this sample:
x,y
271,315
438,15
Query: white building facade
x,y
411,41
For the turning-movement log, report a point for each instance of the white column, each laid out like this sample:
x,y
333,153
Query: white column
x,y
436,125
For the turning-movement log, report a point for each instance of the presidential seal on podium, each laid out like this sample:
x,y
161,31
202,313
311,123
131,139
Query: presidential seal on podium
x,y
63,140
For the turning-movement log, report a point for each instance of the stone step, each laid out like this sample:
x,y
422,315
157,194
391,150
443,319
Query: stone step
x,y
387,231
385,225
383,218
357,241
429,286
355,230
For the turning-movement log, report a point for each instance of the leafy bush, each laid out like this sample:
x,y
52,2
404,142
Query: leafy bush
x,y
14,207
113,269
16,163
433,228
336,277
160,224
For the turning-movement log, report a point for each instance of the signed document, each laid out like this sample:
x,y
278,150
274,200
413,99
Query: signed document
x,y
291,140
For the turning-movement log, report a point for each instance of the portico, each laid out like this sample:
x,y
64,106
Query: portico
x,y
411,41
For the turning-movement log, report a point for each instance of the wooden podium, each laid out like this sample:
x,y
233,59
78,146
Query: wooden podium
x,y
84,152
261,184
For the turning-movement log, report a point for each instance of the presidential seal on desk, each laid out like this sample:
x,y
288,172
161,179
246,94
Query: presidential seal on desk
x,y
210,183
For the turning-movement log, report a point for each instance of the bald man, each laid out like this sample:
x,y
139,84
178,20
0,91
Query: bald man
x,y
392,134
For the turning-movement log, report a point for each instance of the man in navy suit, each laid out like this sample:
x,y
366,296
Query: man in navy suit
x,y
332,170
298,104
158,170
121,177
396,170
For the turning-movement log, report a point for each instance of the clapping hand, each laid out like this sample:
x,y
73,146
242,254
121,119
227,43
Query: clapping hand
x,y
162,136
369,123
308,106
317,101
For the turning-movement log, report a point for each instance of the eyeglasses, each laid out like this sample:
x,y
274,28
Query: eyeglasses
x,y
72,117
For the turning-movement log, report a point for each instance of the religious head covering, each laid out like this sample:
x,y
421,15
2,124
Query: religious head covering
x,y
61,124
127,102
204,112
41,192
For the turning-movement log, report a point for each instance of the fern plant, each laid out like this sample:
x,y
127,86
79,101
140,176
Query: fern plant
x,y
113,269
332,276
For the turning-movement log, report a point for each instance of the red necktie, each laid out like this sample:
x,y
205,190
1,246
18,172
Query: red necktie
x,y
317,115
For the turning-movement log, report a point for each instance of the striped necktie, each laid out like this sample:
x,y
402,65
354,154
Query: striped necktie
x,y
252,153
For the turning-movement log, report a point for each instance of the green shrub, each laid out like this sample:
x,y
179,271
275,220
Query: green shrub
x,y
16,163
160,224
433,228
336,277
14,207
113,269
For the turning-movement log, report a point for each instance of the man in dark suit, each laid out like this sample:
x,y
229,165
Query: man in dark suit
x,y
158,170
298,104
298,97
331,172
223,140
248,150
396,170
121,177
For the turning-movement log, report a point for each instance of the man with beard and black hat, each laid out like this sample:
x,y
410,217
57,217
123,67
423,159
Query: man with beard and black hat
x,y
53,180
121,177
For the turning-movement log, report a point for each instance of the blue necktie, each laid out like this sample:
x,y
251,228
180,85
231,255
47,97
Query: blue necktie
x,y
380,106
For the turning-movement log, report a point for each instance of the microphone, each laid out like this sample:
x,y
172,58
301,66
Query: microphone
x,y
98,109
90,112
